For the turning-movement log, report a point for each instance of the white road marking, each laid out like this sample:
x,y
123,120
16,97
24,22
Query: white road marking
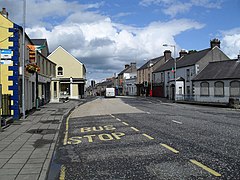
x,y
178,122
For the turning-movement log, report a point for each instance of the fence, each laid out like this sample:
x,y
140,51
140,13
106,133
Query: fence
x,y
6,104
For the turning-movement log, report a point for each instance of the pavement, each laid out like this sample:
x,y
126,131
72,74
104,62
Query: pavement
x,y
27,145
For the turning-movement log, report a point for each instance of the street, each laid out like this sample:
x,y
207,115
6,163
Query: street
x,y
145,138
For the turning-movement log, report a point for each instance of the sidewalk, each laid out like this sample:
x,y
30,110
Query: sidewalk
x,y
26,147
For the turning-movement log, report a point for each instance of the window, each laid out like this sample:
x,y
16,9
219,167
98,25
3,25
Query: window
x,y
168,75
235,88
188,75
162,77
204,89
60,71
218,88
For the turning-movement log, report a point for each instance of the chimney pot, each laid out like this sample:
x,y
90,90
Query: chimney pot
x,y
183,53
4,12
167,55
126,66
215,42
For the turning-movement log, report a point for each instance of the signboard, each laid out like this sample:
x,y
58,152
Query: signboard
x,y
6,54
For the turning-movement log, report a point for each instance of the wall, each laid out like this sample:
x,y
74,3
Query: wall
x,y
211,97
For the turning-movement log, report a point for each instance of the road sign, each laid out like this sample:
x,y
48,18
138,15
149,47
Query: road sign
x,y
6,54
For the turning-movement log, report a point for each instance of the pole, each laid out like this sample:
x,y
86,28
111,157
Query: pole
x,y
175,77
23,60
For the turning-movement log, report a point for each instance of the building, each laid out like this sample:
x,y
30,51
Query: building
x,y
130,86
128,72
188,66
70,76
37,69
46,73
218,82
144,74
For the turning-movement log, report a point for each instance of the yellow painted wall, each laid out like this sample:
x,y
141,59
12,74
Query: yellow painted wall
x,y
71,66
4,44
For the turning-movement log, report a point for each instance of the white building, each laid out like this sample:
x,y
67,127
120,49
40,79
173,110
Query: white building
x,y
218,82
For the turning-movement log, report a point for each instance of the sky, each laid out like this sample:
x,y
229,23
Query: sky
x,y
107,34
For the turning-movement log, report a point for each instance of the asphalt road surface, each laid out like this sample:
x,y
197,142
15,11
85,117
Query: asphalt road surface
x,y
145,138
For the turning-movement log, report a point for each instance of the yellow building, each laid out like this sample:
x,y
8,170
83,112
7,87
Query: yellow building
x,y
38,69
70,76
9,36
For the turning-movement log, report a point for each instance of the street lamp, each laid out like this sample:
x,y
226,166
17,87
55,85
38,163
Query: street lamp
x,y
23,59
175,68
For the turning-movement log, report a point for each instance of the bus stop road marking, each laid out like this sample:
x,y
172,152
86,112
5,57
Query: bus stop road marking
x,y
205,168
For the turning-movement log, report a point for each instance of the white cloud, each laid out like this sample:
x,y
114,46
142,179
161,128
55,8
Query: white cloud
x,y
231,42
174,7
102,45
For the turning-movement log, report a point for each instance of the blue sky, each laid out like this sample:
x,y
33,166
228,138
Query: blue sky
x,y
105,35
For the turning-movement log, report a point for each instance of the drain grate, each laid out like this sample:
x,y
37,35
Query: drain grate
x,y
42,131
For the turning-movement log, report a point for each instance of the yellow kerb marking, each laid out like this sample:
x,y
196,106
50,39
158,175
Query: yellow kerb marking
x,y
205,167
135,129
66,130
149,137
62,173
125,123
170,148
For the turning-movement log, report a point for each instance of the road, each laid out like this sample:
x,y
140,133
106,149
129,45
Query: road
x,y
145,138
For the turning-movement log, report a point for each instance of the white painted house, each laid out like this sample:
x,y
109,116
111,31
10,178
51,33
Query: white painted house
x,y
218,82
188,66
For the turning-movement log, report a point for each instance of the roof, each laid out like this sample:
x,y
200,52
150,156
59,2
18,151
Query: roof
x,y
129,69
38,41
220,70
193,58
186,60
153,61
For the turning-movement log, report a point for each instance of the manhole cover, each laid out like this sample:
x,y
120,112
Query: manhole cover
x,y
42,131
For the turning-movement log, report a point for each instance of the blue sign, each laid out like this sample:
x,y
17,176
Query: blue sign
x,y
6,53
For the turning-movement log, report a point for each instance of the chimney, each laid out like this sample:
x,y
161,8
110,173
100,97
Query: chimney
x,y
126,66
133,65
182,53
167,55
215,42
4,12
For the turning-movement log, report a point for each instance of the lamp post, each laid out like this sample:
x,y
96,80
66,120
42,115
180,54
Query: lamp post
x,y
175,69
23,60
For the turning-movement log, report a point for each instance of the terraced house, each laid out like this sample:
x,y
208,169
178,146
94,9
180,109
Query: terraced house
x,y
37,69
189,64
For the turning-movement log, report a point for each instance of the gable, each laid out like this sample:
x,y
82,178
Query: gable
x,y
71,66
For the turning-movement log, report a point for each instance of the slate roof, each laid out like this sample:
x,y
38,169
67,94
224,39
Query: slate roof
x,y
38,41
127,70
220,70
153,61
187,60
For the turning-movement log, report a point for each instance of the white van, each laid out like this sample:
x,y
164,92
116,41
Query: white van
x,y
110,92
